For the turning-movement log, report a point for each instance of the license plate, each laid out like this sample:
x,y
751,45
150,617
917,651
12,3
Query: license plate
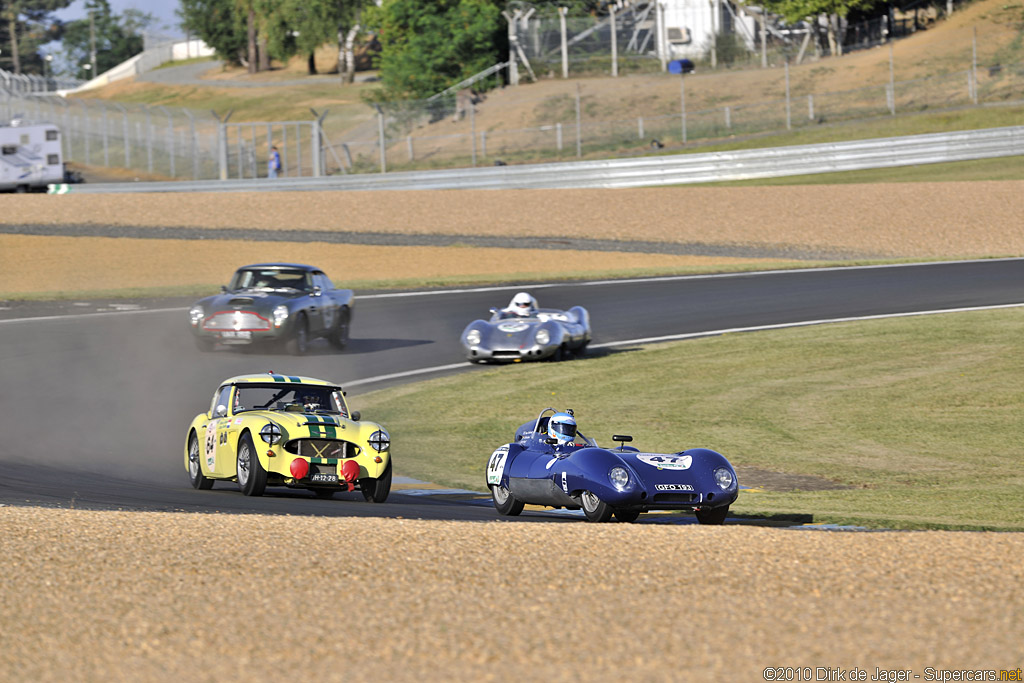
x,y
236,334
323,478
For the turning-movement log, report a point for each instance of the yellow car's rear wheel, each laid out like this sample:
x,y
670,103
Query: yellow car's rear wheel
x,y
252,478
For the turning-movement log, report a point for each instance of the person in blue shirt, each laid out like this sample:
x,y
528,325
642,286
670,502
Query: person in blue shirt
x,y
273,163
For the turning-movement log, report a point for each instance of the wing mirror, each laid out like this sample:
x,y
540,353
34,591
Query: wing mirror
x,y
223,289
221,411
621,439
550,440
492,310
317,290
356,415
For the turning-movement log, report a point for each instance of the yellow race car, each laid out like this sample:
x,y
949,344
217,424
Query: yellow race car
x,y
278,430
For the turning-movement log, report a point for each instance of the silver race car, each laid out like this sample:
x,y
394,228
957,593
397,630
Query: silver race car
x,y
545,333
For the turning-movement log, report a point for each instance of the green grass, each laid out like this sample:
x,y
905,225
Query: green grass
x,y
921,416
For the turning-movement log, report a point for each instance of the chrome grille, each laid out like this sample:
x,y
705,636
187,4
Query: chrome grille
x,y
676,498
236,320
321,448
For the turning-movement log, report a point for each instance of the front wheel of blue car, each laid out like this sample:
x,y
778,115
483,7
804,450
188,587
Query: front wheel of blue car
x,y
504,502
627,515
715,516
252,478
594,508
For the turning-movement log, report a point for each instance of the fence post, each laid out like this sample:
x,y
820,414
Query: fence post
x,y
810,107
974,65
380,131
682,104
149,140
615,44
789,120
408,144
565,48
193,144
558,136
579,124
85,116
472,129
728,118
106,141
892,83
317,150
222,146
170,140
483,143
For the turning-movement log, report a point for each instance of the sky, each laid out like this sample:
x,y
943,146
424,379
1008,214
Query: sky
x,y
163,10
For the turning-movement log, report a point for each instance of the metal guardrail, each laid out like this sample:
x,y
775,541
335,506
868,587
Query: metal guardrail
x,y
677,169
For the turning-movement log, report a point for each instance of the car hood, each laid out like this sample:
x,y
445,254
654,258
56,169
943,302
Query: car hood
x,y
310,426
247,300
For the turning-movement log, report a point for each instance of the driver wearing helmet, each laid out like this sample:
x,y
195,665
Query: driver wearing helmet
x,y
562,428
523,305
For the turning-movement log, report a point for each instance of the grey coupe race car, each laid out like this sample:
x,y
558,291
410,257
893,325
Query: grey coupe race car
x,y
546,334
284,303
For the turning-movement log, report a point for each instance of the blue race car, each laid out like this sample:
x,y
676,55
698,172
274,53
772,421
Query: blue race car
x,y
550,463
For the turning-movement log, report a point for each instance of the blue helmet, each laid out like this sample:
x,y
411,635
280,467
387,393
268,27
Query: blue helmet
x,y
562,427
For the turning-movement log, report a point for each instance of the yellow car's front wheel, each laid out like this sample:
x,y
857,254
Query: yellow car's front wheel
x,y
252,478
195,470
377,490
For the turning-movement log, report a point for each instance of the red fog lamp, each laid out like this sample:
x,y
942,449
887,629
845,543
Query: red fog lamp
x,y
299,468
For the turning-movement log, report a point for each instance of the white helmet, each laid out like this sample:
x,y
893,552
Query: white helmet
x,y
523,304
562,428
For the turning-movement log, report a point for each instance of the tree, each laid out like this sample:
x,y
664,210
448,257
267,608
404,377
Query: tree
x,y
218,24
117,37
428,45
25,25
799,10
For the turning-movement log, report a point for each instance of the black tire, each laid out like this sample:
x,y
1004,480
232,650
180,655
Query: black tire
x,y
205,345
377,490
339,335
323,494
715,516
627,515
559,355
298,345
504,502
195,471
252,478
594,508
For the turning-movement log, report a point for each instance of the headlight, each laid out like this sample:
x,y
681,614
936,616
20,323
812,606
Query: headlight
x,y
619,476
724,478
380,441
543,336
473,337
195,315
270,433
280,315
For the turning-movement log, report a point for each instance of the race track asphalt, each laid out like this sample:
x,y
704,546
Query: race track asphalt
x,y
94,406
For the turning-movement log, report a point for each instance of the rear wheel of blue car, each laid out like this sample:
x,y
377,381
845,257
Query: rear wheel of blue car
x,y
252,478
627,515
377,490
715,516
594,508
299,343
195,471
504,502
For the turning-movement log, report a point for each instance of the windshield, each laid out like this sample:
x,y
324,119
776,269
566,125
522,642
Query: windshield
x,y
270,279
298,398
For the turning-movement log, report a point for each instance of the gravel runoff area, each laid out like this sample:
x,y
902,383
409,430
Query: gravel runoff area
x,y
902,220
213,597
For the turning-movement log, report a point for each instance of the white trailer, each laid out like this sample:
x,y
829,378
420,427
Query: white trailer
x,y
30,157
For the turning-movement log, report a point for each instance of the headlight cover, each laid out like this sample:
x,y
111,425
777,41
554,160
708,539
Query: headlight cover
x,y
619,477
271,433
379,441
724,478
543,336
280,315
473,337
196,315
